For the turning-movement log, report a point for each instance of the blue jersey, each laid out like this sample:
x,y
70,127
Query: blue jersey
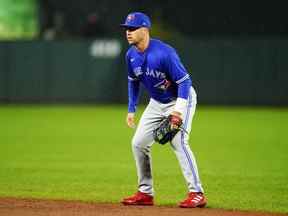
x,y
161,72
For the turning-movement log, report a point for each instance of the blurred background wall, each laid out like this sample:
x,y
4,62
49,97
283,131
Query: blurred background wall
x,y
73,51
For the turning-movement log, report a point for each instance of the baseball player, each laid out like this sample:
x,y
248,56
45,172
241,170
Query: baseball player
x,y
157,66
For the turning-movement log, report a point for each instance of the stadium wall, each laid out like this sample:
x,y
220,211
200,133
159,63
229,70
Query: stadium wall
x,y
240,71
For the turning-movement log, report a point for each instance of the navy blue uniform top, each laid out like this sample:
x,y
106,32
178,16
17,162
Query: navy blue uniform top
x,y
161,72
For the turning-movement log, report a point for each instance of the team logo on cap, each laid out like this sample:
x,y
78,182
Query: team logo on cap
x,y
130,17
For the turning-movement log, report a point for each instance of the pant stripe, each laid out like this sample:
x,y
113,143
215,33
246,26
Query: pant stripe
x,y
191,165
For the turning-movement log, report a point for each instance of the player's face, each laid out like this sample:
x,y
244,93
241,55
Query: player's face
x,y
135,35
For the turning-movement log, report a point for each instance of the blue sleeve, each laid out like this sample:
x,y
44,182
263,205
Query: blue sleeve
x,y
131,75
133,95
178,74
175,68
133,88
184,88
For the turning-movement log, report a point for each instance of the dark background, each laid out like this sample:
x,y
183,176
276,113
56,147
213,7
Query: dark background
x,y
188,17
235,51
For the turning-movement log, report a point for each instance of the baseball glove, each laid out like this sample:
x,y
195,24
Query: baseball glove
x,y
167,129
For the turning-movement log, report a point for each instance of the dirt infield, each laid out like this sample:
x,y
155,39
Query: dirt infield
x,y
33,207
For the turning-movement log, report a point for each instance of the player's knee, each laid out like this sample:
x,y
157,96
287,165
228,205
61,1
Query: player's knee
x,y
138,145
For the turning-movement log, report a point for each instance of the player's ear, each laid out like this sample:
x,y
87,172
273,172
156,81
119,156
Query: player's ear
x,y
146,30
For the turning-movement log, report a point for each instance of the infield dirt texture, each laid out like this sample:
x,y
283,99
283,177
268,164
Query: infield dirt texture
x,y
82,156
29,207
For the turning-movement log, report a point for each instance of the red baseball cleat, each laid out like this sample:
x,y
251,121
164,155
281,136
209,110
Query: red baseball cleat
x,y
194,200
138,198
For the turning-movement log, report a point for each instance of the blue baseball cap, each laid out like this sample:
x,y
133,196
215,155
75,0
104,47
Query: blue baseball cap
x,y
137,20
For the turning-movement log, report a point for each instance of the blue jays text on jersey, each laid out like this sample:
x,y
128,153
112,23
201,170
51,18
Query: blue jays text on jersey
x,y
161,72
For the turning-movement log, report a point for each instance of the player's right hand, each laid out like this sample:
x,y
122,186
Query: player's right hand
x,y
130,120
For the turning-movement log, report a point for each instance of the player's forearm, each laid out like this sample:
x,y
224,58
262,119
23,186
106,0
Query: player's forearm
x,y
182,98
133,95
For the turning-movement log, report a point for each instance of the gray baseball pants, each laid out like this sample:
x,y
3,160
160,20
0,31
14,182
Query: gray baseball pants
x,y
143,141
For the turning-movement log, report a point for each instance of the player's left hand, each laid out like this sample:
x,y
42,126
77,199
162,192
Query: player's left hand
x,y
168,128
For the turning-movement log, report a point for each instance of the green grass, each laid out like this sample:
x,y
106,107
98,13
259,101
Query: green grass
x,y
84,153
